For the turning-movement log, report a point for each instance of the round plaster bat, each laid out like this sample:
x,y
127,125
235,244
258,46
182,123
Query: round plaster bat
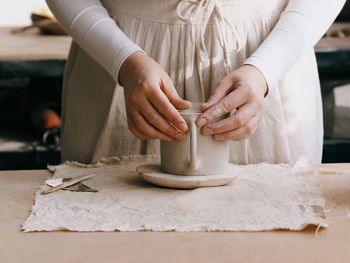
x,y
153,174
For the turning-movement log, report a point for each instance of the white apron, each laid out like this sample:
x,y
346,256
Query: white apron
x,y
197,43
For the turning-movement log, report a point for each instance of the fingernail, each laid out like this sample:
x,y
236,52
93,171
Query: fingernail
x,y
203,107
180,137
201,122
183,127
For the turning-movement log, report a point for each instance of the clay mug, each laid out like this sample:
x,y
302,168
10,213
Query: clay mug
x,y
197,154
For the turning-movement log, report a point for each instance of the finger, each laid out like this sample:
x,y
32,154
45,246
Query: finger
x,y
229,103
170,91
163,105
241,133
221,90
143,126
134,130
157,120
235,121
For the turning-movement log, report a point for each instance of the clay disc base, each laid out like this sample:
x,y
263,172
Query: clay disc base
x,y
152,174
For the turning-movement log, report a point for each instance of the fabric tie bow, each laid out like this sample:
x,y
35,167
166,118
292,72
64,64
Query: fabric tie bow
x,y
193,10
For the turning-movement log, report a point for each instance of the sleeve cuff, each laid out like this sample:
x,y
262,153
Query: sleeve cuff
x,y
265,70
120,59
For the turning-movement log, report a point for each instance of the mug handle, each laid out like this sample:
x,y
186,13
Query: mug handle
x,y
194,164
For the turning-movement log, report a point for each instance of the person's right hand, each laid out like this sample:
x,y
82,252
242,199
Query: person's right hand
x,y
151,100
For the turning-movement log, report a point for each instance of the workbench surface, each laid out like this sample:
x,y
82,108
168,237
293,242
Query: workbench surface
x,y
31,55
30,45
17,190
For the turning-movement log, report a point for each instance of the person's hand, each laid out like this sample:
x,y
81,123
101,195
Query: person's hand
x,y
239,95
151,100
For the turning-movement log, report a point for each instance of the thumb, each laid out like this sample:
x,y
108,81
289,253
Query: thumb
x,y
170,91
221,90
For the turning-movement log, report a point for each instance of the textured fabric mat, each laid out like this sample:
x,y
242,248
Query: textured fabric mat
x,y
263,197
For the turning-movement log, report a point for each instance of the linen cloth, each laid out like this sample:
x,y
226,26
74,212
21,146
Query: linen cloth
x,y
263,197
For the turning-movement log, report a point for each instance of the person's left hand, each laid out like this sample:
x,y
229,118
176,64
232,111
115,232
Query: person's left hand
x,y
242,90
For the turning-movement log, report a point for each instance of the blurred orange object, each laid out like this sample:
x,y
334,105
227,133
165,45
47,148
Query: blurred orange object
x,y
46,118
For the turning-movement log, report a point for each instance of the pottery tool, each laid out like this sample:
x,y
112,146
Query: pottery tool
x,y
79,187
68,183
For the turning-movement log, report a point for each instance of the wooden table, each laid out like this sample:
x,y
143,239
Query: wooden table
x,y
30,45
330,245
29,54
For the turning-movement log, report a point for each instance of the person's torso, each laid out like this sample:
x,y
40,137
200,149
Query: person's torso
x,y
166,11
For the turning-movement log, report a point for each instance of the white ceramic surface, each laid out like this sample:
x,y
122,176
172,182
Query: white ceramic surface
x,y
153,174
197,154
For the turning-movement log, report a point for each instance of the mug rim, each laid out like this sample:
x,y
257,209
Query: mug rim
x,y
190,113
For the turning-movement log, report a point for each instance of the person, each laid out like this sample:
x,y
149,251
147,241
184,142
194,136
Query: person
x,y
133,64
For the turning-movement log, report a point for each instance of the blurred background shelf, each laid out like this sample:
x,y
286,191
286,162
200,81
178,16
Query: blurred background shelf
x,y
336,151
31,72
22,150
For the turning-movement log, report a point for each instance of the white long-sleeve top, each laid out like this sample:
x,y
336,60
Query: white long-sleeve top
x,y
299,28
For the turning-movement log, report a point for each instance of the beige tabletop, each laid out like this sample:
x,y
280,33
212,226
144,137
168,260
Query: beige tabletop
x,y
330,245
30,45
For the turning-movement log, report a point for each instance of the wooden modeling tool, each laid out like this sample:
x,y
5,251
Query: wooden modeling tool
x,y
68,183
